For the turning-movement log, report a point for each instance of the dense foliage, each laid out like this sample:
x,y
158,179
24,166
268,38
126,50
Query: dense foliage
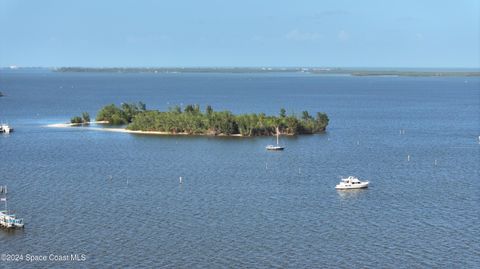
x,y
84,119
193,121
120,115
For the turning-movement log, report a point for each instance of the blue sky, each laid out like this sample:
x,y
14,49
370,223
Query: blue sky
x,y
407,33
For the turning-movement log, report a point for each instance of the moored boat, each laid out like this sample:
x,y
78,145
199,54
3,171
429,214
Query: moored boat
x,y
275,147
7,218
351,182
4,128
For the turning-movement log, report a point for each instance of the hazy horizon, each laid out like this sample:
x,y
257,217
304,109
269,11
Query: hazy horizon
x,y
392,68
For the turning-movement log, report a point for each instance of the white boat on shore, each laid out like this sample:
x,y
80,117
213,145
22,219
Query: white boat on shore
x,y
351,182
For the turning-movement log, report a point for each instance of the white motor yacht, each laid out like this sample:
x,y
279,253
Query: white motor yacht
x,y
7,219
351,182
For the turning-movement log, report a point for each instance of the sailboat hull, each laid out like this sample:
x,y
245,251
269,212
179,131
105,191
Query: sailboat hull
x,y
274,148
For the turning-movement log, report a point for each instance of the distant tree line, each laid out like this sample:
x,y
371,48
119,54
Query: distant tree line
x,y
192,120
322,71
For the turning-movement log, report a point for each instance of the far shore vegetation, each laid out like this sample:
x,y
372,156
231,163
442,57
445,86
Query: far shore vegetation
x,y
192,120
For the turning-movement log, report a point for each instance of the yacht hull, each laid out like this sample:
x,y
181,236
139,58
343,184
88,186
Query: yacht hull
x,y
352,187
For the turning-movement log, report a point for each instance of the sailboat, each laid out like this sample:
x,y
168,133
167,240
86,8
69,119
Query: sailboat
x,y
276,147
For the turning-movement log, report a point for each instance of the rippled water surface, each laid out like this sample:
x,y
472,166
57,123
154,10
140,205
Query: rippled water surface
x,y
116,197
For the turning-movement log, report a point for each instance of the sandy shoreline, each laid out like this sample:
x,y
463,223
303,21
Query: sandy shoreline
x,y
122,130
65,125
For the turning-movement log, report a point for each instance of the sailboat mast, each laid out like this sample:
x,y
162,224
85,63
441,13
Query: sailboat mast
x,y
277,136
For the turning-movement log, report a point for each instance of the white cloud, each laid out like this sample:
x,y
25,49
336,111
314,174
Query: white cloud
x,y
298,35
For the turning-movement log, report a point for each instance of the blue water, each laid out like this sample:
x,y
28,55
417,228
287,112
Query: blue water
x,y
116,197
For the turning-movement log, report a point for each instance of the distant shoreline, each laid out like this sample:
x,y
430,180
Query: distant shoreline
x,y
246,70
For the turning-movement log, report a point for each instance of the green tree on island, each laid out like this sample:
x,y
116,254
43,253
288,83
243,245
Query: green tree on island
x,y
120,115
84,119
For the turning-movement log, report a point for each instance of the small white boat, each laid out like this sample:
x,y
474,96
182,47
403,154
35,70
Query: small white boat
x,y
7,219
351,183
275,147
4,128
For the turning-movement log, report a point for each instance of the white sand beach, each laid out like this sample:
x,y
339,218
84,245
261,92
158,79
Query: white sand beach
x,y
122,130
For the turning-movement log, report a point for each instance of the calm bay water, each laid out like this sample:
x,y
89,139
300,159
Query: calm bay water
x,y
240,206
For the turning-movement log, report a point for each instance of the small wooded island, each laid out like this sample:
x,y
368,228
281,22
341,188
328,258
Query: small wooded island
x,y
192,121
